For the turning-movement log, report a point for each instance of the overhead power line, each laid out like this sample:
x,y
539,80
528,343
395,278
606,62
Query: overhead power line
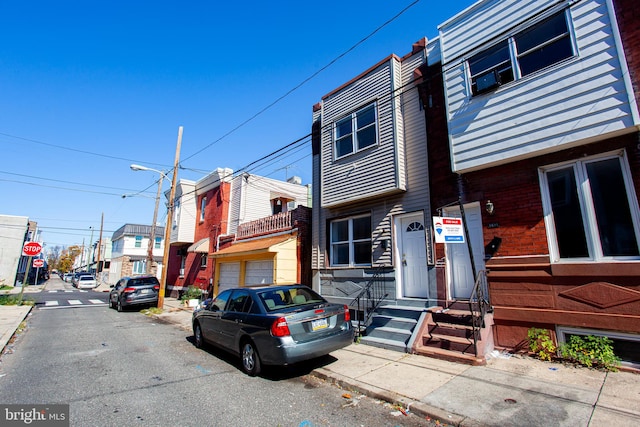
x,y
303,82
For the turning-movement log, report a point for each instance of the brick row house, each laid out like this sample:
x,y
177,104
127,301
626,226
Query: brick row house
x,y
230,231
523,120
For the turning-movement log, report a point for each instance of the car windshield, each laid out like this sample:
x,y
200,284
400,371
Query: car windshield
x,y
277,299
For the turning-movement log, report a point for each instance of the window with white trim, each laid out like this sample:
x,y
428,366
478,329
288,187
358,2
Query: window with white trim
x,y
158,242
203,260
539,46
203,206
139,267
138,243
350,241
591,211
356,132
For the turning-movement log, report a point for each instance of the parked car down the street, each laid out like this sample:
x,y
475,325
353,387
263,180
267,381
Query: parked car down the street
x,y
76,275
132,291
86,282
274,325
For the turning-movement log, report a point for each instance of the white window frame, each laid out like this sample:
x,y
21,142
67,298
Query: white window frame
x,y
158,242
563,331
139,267
138,242
351,241
354,131
203,260
203,206
515,55
587,208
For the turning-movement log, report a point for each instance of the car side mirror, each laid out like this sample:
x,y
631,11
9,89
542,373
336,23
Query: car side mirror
x,y
112,286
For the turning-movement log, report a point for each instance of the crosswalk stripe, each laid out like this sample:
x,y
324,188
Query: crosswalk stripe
x,y
96,301
50,303
75,302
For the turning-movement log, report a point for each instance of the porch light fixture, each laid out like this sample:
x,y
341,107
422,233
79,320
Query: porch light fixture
x,y
489,207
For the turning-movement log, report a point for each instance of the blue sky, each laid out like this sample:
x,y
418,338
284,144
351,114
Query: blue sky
x,y
89,88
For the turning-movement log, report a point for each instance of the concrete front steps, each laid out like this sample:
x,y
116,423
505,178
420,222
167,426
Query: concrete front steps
x,y
392,327
447,333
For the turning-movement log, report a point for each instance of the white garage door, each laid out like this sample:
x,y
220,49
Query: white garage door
x,y
259,273
229,276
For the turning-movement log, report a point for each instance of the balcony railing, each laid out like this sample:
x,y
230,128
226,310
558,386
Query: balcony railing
x,y
271,224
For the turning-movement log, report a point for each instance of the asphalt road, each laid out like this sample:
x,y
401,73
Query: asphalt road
x,y
126,369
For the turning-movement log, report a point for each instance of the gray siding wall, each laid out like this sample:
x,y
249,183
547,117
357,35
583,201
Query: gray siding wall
x,y
543,112
411,169
372,171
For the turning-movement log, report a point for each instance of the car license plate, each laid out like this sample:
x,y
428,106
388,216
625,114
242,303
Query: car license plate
x,y
144,291
319,324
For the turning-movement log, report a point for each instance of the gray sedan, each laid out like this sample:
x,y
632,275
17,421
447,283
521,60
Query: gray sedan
x,y
274,325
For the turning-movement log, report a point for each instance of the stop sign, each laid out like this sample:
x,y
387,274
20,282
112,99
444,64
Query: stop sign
x,y
31,249
38,263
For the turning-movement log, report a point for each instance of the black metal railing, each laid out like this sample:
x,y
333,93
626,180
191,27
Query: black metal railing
x,y
369,299
479,305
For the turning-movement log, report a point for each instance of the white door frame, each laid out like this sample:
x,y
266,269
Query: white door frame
x,y
455,289
402,291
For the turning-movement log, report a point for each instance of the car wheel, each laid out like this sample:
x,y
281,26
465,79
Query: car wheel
x,y
112,304
197,334
120,307
250,359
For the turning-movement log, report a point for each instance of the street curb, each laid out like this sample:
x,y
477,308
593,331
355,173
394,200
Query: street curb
x,y
4,344
419,408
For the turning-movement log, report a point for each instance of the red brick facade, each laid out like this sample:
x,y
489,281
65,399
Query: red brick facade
x,y
526,288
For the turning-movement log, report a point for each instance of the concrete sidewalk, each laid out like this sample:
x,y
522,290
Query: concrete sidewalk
x,y
508,391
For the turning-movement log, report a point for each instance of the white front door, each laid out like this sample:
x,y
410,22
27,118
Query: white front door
x,y
412,253
458,262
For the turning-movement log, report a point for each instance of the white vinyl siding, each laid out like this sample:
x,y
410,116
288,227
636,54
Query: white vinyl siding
x,y
252,196
545,111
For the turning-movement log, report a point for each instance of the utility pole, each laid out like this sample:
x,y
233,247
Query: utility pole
x,y
167,227
98,269
152,236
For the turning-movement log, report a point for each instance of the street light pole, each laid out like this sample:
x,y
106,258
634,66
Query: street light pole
x,y
167,228
152,234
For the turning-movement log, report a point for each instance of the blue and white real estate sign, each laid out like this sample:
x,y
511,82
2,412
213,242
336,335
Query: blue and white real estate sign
x,y
448,230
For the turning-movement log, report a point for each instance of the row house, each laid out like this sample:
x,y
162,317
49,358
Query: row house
x,y
371,198
14,232
214,215
542,123
519,118
130,251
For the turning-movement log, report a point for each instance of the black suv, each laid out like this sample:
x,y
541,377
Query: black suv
x,y
137,290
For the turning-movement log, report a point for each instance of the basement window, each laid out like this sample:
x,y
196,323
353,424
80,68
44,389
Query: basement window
x,y
625,346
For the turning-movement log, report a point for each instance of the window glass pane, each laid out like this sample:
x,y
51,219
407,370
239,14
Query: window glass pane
x,y
489,58
545,56
366,137
542,32
343,127
362,252
362,228
344,146
567,216
366,117
339,231
490,68
611,205
340,255
535,47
